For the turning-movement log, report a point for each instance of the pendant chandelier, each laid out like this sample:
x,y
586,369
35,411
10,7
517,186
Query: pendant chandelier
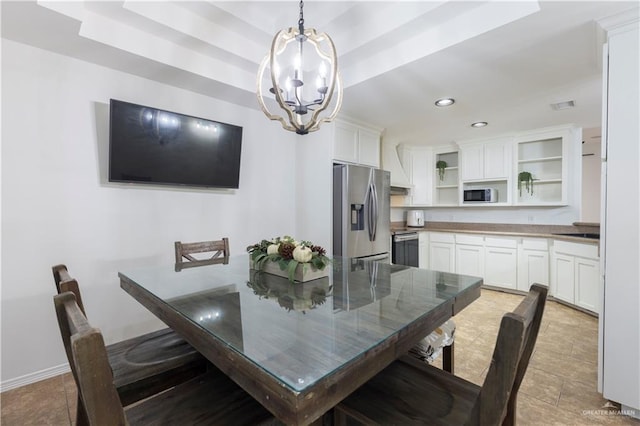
x,y
303,81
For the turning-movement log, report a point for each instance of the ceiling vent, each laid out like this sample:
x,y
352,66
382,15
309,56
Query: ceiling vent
x,y
563,105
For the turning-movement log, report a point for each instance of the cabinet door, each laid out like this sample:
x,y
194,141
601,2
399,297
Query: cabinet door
x,y
497,159
587,278
533,267
563,277
423,250
470,260
472,162
369,148
345,142
421,177
442,257
501,267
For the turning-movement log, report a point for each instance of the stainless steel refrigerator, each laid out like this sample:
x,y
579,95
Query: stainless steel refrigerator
x,y
361,212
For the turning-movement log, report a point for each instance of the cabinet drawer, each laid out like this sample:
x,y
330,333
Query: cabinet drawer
x,y
535,244
472,240
576,249
501,242
441,237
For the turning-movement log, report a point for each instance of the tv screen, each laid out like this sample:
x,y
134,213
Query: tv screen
x,y
152,146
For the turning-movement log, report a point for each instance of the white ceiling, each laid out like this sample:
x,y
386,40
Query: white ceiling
x,y
504,62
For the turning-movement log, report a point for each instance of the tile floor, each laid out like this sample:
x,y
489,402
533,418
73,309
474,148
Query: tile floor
x,y
559,388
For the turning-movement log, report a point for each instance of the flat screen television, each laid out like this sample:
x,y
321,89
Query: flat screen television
x,y
152,146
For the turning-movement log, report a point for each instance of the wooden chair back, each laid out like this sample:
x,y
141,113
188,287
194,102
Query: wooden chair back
x,y
89,363
64,282
496,403
219,250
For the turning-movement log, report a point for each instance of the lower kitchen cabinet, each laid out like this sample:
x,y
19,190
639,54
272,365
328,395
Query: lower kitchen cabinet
x,y
442,255
501,262
469,256
588,280
533,263
575,274
563,277
423,250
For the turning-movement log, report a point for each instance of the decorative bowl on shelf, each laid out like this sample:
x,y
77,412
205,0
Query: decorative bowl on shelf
x,y
299,261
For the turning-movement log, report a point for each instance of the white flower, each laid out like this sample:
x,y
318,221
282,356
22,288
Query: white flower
x,y
273,248
302,254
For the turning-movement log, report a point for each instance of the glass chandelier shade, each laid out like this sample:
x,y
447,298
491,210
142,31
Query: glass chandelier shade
x,y
305,81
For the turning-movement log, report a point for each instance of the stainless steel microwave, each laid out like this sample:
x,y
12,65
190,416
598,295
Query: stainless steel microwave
x,y
484,195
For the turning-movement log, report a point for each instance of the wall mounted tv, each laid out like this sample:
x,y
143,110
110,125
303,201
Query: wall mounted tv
x,y
152,146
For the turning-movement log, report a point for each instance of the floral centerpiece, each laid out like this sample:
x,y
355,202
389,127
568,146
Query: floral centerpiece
x,y
297,260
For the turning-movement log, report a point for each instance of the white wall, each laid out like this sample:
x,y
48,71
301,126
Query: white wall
x,y
57,206
591,179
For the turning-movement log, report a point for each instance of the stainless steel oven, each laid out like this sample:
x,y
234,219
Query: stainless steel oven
x,y
404,249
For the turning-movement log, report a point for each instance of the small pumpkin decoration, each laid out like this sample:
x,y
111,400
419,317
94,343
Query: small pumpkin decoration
x,y
525,178
441,166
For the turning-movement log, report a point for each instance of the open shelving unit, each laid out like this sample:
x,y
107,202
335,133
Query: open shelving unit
x,y
545,161
446,191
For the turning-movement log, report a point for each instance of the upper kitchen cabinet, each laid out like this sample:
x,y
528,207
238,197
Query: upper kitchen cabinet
x,y
488,160
417,162
485,164
355,143
446,177
542,165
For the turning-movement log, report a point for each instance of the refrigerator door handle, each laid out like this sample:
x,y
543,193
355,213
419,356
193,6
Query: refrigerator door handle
x,y
372,212
375,211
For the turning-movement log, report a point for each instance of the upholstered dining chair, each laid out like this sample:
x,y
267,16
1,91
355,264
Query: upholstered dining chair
x,y
218,252
143,365
412,392
210,398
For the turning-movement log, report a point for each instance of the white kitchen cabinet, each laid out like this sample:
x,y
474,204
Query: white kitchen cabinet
x,y
418,164
501,262
355,144
469,255
486,161
575,274
442,255
563,277
423,250
587,276
533,263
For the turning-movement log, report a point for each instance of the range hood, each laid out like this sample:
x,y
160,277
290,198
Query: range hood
x,y
390,161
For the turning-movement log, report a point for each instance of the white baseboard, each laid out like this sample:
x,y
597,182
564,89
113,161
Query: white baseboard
x,y
27,379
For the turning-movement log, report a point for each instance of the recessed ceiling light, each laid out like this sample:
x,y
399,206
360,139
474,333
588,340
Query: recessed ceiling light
x,y
445,102
563,105
479,124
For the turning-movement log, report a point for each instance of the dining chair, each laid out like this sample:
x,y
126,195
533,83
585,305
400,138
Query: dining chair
x,y
210,398
410,391
143,365
218,249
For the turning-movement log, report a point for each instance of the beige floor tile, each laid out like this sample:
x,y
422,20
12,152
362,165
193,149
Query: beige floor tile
x,y
542,385
41,403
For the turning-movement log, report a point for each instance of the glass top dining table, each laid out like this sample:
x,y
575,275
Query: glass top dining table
x,y
299,348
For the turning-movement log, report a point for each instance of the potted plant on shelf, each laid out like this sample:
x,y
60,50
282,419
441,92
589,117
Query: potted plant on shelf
x,y
526,179
441,166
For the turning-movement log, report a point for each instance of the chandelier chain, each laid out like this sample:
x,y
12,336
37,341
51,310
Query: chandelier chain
x,y
301,19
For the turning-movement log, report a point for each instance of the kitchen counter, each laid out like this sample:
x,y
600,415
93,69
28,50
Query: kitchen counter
x,y
556,232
